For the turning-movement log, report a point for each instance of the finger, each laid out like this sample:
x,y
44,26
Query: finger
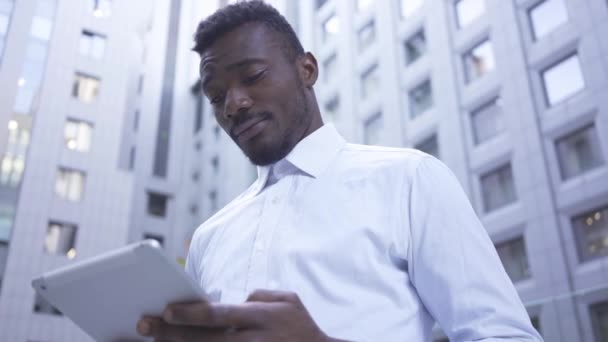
x,y
262,295
162,331
205,314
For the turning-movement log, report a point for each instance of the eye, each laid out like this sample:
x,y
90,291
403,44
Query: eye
x,y
217,99
251,79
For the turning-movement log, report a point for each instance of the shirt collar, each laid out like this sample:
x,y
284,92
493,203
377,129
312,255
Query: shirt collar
x,y
312,154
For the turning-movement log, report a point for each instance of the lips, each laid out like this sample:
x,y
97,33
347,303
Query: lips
x,y
249,128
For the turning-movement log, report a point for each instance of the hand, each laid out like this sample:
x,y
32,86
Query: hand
x,y
266,316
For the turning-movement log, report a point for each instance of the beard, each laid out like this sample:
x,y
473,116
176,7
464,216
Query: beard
x,y
280,145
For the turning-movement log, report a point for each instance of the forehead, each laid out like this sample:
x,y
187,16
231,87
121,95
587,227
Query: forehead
x,y
248,41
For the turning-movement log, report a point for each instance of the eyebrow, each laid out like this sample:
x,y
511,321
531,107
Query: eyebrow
x,y
235,65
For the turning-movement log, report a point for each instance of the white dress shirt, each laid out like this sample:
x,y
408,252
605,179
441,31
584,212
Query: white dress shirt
x,y
379,243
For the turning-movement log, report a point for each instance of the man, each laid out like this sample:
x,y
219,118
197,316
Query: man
x,y
334,240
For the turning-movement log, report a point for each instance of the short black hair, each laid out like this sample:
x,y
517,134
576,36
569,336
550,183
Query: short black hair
x,y
232,16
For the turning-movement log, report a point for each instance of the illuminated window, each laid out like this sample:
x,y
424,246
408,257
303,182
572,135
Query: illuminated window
x,y
415,47
546,16
77,135
563,80
92,44
370,81
479,61
367,35
85,88
331,27
60,239
591,233
487,121
69,184
421,99
468,11
373,129
498,188
12,164
514,258
579,152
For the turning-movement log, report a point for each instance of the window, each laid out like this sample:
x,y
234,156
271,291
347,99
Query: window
x,y
60,239
373,129
366,35
547,16
7,212
101,8
563,80
85,88
136,120
514,258
599,320
421,99
330,68
409,7
487,121
415,47
215,164
132,153
213,200
331,27
362,5
498,188
44,307
69,184
579,152
6,8
332,109
158,238
591,233
370,80
77,135
320,3
12,165
429,145
198,113
92,44
478,61
469,10
157,204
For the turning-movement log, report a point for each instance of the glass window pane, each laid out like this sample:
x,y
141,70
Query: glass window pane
x,y
4,19
332,109
86,41
591,233
579,152
373,129
429,145
563,80
86,88
421,99
157,204
330,66
41,28
362,5
498,188
331,27
487,121
514,259
98,48
469,10
60,238
479,61
366,36
415,47
370,81
547,16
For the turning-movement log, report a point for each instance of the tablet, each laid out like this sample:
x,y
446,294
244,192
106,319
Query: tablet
x,y
106,295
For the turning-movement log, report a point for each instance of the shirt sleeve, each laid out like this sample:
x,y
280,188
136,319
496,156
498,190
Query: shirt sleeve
x,y
454,265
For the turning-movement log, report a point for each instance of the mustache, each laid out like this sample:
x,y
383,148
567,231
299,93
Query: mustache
x,y
243,117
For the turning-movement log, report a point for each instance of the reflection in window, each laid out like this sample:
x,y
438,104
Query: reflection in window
x,y
487,121
469,10
370,81
85,88
591,233
367,35
60,239
372,129
498,188
514,258
479,61
332,109
409,7
579,152
77,135
546,16
415,47
69,184
563,80
429,145
331,27
92,44
421,99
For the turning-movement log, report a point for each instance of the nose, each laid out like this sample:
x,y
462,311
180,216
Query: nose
x,y
237,101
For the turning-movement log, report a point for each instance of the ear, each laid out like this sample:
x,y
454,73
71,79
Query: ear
x,y
308,69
